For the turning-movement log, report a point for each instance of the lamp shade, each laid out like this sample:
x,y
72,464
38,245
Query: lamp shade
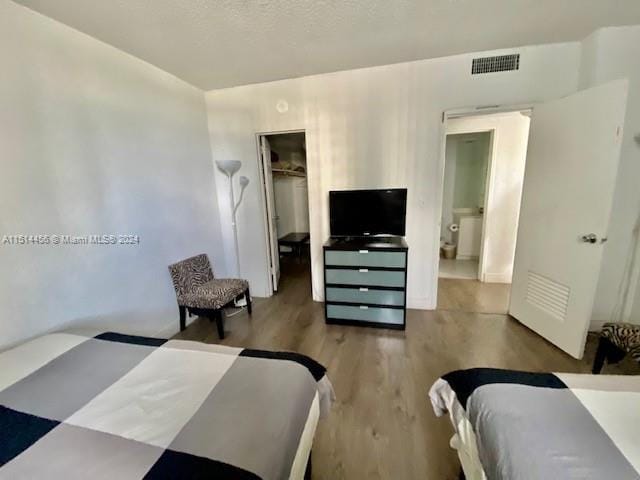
x,y
229,167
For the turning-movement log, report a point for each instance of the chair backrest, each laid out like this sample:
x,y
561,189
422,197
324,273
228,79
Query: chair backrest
x,y
190,273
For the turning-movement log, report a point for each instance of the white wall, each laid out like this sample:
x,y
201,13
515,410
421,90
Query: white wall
x,y
465,173
95,141
292,205
471,170
509,154
609,54
374,127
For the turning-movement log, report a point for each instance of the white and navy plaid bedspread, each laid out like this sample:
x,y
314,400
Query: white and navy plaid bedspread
x,y
114,406
545,425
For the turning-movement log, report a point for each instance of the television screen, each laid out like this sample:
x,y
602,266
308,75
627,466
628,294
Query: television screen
x,y
355,213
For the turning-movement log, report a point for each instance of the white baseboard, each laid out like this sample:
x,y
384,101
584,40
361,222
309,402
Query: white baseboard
x,y
496,278
596,324
420,303
170,329
467,257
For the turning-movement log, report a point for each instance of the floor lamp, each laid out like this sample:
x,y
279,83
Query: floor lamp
x,y
229,168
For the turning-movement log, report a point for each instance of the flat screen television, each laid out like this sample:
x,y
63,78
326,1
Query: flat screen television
x,y
361,213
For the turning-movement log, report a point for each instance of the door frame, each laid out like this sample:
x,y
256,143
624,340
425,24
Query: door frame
x,y
263,199
451,114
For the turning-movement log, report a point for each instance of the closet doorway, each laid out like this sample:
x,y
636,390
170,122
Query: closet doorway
x,y
283,161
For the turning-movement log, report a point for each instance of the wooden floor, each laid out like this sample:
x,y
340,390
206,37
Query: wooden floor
x,y
473,296
382,425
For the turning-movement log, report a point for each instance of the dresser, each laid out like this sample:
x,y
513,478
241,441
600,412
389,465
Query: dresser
x,y
365,281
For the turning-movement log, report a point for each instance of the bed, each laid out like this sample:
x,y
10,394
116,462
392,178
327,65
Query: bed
x,y
80,404
520,425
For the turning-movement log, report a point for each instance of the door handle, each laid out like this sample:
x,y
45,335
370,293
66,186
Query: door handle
x,y
589,238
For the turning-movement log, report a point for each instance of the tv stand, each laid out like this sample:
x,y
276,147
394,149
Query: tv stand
x,y
366,281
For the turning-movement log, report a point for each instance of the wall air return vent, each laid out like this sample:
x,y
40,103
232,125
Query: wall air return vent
x,y
549,296
500,63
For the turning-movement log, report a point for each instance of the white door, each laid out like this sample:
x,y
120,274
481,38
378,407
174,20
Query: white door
x,y
271,212
572,160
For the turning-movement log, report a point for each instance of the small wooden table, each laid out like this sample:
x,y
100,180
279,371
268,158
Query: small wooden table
x,y
295,241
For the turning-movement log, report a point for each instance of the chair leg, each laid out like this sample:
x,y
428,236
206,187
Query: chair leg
x,y
307,472
247,296
183,317
219,323
606,351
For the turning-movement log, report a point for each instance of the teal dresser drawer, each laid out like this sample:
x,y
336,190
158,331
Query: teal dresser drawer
x,y
363,276
366,295
393,316
366,258
366,281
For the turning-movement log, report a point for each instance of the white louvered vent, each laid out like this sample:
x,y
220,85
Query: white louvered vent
x,y
500,63
549,296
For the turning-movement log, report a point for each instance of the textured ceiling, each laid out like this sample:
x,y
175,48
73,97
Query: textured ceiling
x,y
221,43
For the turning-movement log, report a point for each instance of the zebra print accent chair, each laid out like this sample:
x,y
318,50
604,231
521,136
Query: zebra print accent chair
x,y
199,292
617,340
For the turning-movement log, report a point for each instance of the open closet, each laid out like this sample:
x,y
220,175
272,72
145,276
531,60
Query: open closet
x,y
284,165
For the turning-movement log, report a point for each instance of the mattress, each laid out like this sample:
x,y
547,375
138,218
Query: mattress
x,y
522,425
107,405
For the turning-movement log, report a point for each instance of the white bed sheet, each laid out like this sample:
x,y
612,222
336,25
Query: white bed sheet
x,y
464,439
306,440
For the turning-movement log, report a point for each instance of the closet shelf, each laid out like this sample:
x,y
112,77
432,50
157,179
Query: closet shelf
x,y
288,173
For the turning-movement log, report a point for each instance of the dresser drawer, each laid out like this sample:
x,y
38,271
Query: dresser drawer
x,y
365,295
365,258
364,276
366,314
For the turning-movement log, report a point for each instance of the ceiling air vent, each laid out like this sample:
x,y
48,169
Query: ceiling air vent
x,y
500,63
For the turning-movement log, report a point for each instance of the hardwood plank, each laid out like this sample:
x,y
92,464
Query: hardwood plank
x,y
473,296
382,425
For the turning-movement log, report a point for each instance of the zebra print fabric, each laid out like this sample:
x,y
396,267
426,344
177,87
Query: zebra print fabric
x,y
196,286
625,336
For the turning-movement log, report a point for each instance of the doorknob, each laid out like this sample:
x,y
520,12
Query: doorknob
x,y
589,238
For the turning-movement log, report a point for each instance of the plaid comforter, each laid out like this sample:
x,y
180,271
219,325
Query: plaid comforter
x,y
543,425
115,406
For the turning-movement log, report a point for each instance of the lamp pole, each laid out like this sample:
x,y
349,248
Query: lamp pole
x,y
229,168
234,225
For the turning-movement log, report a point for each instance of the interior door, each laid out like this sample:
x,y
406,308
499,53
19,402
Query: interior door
x,y
572,160
265,150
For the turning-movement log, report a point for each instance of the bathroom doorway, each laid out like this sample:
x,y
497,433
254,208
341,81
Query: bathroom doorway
x,y
482,188
465,184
